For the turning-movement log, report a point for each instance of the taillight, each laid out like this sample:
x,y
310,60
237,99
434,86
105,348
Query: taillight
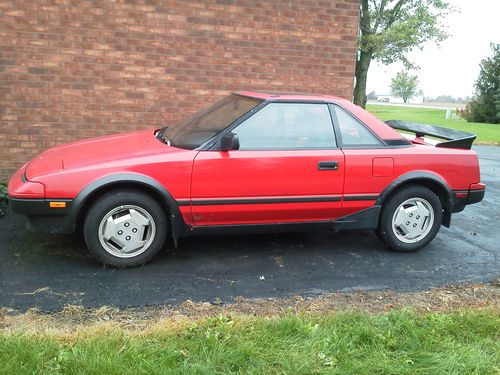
x,y
477,186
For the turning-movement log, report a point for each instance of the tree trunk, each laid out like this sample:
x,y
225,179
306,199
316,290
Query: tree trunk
x,y
362,65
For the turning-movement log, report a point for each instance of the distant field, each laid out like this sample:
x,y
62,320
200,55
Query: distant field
x,y
486,133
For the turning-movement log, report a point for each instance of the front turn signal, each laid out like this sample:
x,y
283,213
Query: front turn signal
x,y
57,204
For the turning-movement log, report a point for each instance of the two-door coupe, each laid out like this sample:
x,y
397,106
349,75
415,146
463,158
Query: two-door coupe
x,y
252,161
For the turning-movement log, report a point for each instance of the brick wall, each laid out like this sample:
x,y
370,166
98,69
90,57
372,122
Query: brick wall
x,y
76,69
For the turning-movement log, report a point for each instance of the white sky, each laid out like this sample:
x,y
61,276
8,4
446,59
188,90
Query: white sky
x,y
452,68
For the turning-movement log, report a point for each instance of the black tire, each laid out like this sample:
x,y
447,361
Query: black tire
x,y
385,230
113,200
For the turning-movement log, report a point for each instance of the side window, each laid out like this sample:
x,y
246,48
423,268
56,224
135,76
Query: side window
x,y
352,132
285,126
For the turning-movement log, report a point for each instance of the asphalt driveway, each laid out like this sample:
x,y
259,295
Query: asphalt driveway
x,y
47,271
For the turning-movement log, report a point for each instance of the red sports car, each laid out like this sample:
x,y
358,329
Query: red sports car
x,y
252,161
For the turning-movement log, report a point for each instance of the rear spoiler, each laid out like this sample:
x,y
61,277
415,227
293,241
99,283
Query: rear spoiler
x,y
453,138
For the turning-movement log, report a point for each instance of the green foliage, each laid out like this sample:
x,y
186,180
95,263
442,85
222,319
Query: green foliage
x,y
497,103
3,191
404,85
486,133
397,27
400,342
485,107
3,197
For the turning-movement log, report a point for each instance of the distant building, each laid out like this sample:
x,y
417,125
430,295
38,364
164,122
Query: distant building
x,y
419,99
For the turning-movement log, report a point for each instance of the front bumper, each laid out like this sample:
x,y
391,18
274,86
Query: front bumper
x,y
42,214
36,206
27,206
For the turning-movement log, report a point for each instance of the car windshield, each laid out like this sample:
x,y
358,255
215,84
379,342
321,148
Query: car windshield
x,y
205,124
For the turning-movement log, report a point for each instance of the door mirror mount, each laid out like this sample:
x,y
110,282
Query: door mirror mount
x,y
229,142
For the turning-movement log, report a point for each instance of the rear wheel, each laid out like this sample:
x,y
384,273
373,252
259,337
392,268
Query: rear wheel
x,y
125,228
410,219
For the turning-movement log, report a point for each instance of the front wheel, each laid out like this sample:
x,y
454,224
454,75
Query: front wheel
x,y
125,228
410,219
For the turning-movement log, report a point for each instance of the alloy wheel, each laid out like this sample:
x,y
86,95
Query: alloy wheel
x,y
412,220
127,231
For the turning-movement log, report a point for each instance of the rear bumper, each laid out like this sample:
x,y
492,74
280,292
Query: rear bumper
x,y
42,216
475,196
464,197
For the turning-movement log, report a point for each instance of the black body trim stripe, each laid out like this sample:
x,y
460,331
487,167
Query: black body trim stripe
x,y
360,197
218,202
209,202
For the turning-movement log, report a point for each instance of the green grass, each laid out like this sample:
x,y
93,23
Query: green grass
x,y
399,342
486,133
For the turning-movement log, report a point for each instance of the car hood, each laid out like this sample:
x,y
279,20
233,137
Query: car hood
x,y
96,151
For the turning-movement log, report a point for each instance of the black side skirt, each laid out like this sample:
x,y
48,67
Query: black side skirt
x,y
365,219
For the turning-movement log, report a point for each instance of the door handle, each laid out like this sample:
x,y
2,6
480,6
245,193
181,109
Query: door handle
x,y
328,165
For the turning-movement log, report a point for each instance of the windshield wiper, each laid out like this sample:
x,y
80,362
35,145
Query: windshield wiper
x,y
160,134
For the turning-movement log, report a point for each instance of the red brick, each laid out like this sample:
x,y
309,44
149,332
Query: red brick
x,y
75,69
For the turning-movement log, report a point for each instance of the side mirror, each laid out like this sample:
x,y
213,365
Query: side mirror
x,y
229,141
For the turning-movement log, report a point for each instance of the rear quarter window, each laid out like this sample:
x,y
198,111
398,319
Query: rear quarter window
x,y
352,131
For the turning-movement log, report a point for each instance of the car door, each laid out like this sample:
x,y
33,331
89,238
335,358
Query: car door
x,y
288,169
369,164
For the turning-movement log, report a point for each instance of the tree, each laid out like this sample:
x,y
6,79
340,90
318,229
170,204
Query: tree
x,y
389,29
485,106
404,85
497,104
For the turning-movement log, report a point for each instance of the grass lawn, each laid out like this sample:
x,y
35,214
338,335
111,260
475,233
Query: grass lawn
x,y
398,342
486,133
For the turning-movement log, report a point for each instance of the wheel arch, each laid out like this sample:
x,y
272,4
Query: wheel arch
x,y
139,182
427,179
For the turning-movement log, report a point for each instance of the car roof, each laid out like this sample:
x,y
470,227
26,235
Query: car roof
x,y
277,96
383,130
